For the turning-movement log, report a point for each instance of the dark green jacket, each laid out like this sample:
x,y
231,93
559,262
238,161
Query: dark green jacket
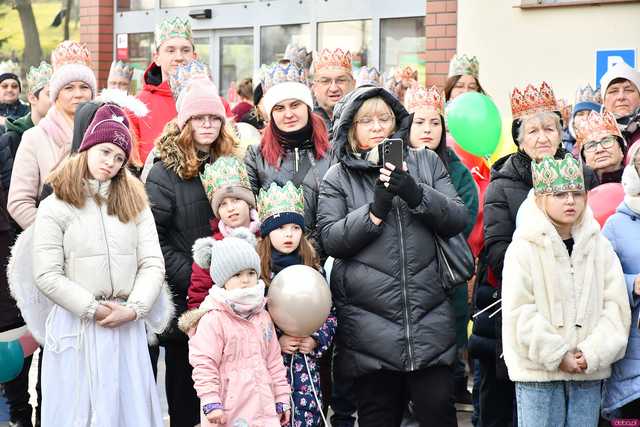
x,y
465,186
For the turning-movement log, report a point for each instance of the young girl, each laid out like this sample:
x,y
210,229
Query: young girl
x,y
565,308
237,369
233,204
284,244
99,261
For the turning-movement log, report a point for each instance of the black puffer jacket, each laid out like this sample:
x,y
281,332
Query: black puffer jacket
x,y
511,181
182,213
392,310
262,174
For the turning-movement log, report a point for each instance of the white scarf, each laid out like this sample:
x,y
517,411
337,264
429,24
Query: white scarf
x,y
244,302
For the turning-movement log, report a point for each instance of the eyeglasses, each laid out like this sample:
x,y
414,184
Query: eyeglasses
x,y
384,120
326,81
606,143
201,119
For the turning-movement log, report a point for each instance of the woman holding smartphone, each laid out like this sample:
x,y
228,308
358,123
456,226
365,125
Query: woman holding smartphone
x,y
379,223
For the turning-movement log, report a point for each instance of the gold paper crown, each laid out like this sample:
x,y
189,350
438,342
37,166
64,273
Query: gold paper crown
x,y
420,97
121,69
38,77
327,58
277,200
595,127
532,100
224,172
462,65
70,52
405,74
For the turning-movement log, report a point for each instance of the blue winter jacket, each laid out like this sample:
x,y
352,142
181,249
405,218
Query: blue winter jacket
x,y
623,231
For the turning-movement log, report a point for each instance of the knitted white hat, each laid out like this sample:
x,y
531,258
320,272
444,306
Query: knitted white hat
x,y
287,90
621,70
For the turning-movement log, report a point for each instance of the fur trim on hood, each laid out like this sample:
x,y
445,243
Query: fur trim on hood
x,y
168,149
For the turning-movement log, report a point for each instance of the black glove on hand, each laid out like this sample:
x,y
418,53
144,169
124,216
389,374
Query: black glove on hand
x,y
403,184
382,201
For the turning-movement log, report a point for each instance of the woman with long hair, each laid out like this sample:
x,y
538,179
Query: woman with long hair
x,y
100,263
199,135
295,144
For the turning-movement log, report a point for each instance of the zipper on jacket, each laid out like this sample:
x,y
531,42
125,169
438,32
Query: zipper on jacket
x,y
297,158
404,292
106,243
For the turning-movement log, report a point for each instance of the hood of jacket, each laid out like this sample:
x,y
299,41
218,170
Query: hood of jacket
x,y
19,126
343,121
153,81
168,150
536,228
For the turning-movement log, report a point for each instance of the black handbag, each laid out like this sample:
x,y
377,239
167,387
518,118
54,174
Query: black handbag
x,y
455,261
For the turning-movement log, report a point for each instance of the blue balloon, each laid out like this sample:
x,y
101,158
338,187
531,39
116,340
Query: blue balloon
x,y
11,360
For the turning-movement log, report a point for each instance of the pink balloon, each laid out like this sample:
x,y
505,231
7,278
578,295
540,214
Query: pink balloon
x,y
28,343
604,200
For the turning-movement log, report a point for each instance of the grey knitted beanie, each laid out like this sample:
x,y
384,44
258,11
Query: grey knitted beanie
x,y
227,257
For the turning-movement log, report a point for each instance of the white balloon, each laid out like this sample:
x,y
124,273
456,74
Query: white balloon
x,y
299,300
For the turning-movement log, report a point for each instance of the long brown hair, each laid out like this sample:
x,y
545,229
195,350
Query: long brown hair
x,y
185,161
126,199
305,249
453,81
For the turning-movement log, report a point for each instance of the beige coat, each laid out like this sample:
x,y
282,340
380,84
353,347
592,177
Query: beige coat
x,y
82,255
553,303
38,154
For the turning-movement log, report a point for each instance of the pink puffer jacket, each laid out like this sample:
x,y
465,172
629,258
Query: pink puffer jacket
x,y
238,363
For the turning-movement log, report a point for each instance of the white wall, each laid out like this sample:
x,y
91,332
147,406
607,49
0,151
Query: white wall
x,y
556,44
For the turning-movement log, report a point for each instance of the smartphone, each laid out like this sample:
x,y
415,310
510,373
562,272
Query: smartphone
x,y
392,152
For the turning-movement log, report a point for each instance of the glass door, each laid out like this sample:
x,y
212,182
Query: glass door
x,y
231,58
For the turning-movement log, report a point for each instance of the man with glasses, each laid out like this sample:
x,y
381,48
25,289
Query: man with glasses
x,y
620,87
332,80
601,145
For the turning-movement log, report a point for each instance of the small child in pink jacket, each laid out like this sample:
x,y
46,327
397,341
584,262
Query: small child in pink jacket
x,y
237,366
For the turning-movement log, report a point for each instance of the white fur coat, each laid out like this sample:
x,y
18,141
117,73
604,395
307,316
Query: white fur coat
x,y
553,303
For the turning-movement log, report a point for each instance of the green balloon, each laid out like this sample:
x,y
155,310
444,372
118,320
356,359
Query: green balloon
x,y
474,121
11,360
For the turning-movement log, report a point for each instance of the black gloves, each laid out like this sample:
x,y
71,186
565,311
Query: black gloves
x,y
403,184
382,201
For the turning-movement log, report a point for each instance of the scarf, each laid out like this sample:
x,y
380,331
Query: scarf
x,y
58,128
244,302
280,261
254,224
300,138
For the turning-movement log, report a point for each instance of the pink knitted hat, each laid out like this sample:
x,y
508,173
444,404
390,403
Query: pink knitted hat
x,y
200,97
109,124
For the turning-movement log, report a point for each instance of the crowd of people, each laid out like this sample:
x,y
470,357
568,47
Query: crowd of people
x,y
148,221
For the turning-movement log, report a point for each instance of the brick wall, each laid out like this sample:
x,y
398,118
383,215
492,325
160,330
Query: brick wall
x,y
96,30
441,25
